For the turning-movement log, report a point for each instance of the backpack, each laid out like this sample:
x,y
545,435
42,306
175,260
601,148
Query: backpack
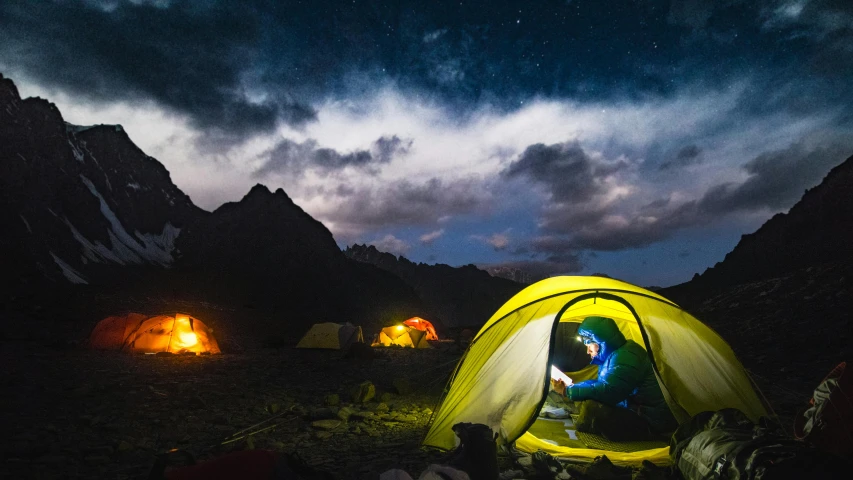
x,y
828,422
727,445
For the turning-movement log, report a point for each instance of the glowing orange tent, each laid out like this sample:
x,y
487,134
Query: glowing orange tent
x,y
422,325
139,333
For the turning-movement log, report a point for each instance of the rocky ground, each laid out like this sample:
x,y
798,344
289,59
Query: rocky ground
x,y
789,331
72,413
81,414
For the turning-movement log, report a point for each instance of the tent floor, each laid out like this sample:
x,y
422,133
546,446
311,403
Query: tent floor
x,y
562,432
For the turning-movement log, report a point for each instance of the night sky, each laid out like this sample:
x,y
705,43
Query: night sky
x,y
639,139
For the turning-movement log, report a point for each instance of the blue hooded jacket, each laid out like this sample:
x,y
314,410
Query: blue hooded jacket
x,y
625,375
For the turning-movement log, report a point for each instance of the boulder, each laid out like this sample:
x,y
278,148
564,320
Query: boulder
x,y
364,392
326,424
344,413
402,385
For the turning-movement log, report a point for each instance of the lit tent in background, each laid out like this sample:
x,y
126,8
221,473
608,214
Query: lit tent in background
x,y
423,325
401,336
139,333
335,336
504,377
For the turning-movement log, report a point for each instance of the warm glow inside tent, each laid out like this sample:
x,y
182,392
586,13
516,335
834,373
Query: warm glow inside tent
x,y
423,325
139,333
335,336
503,379
401,336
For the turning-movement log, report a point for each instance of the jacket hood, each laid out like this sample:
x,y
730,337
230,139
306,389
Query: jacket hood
x,y
603,331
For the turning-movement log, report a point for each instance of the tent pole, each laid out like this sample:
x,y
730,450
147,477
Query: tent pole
x,y
172,333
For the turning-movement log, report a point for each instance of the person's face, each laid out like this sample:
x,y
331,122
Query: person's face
x,y
592,349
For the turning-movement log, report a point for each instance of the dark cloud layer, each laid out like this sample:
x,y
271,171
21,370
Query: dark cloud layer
x,y
775,181
686,156
569,174
293,158
191,58
242,67
409,203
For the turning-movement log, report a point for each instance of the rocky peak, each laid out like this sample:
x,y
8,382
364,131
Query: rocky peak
x,y
813,232
78,200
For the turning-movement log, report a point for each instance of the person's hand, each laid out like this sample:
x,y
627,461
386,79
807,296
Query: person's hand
x,y
558,386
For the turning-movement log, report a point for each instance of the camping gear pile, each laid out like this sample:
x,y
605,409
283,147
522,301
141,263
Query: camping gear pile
x,y
138,333
828,421
726,444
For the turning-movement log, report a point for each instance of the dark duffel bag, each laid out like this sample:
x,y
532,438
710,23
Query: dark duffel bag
x,y
727,445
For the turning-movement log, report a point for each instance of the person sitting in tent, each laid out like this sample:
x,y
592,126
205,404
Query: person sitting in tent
x,y
625,402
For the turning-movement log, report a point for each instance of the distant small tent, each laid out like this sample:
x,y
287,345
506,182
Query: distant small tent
x,y
401,336
138,333
423,325
335,336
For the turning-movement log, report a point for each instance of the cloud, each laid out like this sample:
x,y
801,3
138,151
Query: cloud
x,y
391,244
818,18
387,148
191,59
685,157
404,203
434,35
292,158
429,238
775,179
568,172
498,241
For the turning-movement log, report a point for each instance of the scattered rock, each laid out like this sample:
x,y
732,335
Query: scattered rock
x,y
322,413
382,408
361,351
402,386
363,392
344,413
326,424
386,397
407,418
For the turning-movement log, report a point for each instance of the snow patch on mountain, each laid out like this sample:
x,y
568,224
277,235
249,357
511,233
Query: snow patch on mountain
x,y
125,248
23,219
72,275
76,151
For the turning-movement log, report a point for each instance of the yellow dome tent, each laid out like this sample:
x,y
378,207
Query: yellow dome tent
x,y
138,333
335,336
504,377
401,336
